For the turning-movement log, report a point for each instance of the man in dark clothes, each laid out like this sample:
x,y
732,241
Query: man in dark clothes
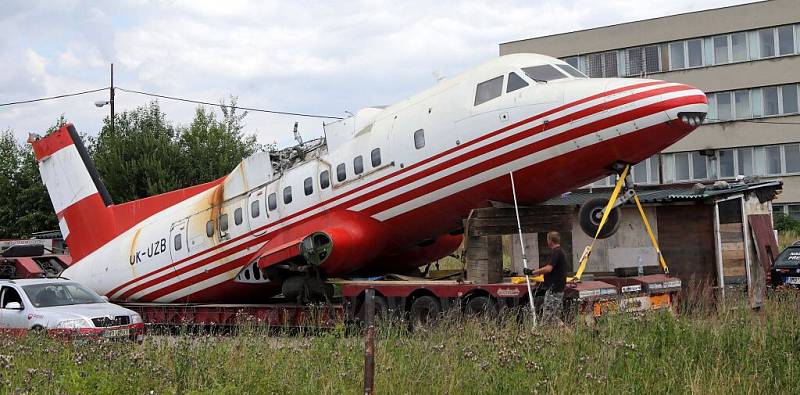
x,y
555,278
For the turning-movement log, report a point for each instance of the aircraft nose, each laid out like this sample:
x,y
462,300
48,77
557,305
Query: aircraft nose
x,y
684,105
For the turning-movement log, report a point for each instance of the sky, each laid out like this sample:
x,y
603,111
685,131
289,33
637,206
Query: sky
x,y
319,57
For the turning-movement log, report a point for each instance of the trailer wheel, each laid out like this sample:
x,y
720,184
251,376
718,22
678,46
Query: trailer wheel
x,y
480,306
424,310
381,309
590,215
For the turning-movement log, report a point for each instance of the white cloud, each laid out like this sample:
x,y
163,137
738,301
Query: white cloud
x,y
305,56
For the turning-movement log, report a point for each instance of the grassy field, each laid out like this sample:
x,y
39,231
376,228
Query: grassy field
x,y
734,350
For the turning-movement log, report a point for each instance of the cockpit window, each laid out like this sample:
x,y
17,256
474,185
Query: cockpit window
x,y
515,82
572,71
543,73
489,90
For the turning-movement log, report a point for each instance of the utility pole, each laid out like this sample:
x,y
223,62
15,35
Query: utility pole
x,y
111,98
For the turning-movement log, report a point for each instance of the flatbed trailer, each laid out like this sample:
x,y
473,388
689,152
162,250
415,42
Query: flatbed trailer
x,y
412,299
419,301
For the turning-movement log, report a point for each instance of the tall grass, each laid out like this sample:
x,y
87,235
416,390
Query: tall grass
x,y
732,350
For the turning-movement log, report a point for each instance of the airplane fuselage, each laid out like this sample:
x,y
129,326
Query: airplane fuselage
x,y
392,185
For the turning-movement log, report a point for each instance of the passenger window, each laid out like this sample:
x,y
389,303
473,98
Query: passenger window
x,y
255,209
223,222
287,195
210,228
489,90
176,242
237,216
543,73
358,165
308,187
10,295
341,172
515,82
419,139
272,201
324,179
376,157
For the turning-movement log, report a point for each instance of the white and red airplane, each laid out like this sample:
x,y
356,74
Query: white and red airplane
x,y
386,190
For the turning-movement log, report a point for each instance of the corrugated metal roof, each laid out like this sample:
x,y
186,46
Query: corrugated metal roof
x,y
668,195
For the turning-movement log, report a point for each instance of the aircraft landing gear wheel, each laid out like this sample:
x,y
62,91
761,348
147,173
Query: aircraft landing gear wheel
x,y
424,310
306,289
590,215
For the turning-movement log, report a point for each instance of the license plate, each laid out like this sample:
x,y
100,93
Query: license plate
x,y
117,332
792,280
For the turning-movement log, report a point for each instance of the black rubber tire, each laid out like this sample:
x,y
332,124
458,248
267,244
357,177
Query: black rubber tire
x,y
37,329
479,306
590,215
292,287
381,310
424,310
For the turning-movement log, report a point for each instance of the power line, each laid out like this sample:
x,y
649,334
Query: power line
x,y
222,105
52,97
752,121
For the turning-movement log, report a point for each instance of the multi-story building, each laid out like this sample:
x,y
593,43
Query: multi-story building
x,y
744,57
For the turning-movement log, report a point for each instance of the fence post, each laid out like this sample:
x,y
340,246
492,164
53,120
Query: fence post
x,y
369,346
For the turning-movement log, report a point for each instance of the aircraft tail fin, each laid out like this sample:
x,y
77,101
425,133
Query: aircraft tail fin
x,y
80,199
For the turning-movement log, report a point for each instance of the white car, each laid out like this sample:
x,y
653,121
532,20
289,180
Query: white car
x,y
60,306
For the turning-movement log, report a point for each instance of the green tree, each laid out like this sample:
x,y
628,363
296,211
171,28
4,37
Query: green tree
x,y
24,205
141,157
212,147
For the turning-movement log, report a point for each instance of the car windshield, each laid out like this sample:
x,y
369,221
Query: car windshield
x,y
60,294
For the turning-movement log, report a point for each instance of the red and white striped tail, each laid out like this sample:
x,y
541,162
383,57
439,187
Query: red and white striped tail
x,y
79,198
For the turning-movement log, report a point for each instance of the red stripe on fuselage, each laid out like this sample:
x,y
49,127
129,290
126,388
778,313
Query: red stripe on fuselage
x,y
483,166
597,108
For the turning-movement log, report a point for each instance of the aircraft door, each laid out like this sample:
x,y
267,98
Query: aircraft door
x,y
178,240
257,213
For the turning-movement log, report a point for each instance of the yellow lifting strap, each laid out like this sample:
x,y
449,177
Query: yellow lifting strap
x,y
606,212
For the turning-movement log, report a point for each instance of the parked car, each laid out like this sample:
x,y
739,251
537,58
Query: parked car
x,y
786,270
63,307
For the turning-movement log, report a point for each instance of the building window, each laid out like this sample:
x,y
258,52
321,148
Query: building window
x,y
724,106
739,47
324,179
341,172
793,210
741,100
237,216
308,186
602,64
676,61
176,242
726,163
699,166
694,50
682,167
489,90
419,139
766,42
572,61
786,40
255,209
771,100
744,161
358,164
515,82
287,195
721,50
789,99
210,228
223,222
791,153
272,201
773,154
375,156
